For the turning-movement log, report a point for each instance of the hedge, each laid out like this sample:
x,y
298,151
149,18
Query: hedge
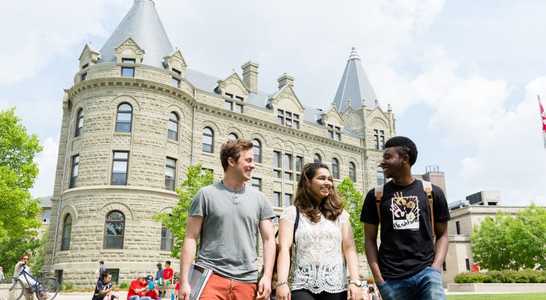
x,y
506,276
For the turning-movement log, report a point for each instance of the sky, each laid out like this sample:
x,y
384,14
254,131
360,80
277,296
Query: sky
x,y
462,77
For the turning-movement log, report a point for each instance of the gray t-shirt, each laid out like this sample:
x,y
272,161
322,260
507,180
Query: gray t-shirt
x,y
230,229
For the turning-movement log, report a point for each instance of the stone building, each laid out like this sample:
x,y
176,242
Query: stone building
x,y
137,116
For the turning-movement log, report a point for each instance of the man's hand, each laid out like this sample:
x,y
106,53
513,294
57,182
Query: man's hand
x,y
185,291
264,288
283,292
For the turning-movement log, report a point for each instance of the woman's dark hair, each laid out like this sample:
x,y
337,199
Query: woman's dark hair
x,y
331,207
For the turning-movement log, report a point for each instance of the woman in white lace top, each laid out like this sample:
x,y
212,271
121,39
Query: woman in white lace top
x,y
312,265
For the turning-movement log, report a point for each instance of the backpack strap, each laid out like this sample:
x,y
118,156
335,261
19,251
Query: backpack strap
x,y
427,186
378,191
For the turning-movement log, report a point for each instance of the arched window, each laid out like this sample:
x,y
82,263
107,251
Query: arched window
x,y
380,176
114,230
352,171
335,168
208,140
232,136
172,130
67,231
79,123
257,150
166,239
124,118
317,158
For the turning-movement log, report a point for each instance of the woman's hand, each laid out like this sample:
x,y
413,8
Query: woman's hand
x,y
354,293
283,292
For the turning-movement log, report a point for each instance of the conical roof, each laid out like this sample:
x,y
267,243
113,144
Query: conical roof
x,y
143,25
355,89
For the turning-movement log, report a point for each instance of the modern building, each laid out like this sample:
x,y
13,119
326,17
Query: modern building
x,y
465,216
137,116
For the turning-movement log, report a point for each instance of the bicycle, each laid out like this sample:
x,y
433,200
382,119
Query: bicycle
x,y
46,289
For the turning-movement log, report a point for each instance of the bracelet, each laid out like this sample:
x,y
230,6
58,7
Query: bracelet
x,y
282,283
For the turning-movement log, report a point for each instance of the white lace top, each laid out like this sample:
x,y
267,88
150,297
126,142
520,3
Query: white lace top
x,y
316,262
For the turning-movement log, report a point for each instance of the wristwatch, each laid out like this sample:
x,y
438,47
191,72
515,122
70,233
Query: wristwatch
x,y
357,283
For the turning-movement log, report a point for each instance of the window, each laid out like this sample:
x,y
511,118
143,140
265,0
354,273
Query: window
x,y
299,167
208,140
458,227
380,176
79,123
228,105
257,183
114,230
167,239
287,199
335,168
288,119
172,131
277,201
235,107
83,76
232,137
467,264
277,164
67,231
238,108
74,171
317,158
352,171
204,170
288,167
124,118
334,132
59,276
175,81
379,138
120,163
127,71
229,95
257,150
170,174
177,72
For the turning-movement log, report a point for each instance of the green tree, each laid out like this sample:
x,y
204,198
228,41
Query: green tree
x,y
18,210
514,243
353,202
175,221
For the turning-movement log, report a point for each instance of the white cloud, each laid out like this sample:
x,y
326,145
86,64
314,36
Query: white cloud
x,y
47,163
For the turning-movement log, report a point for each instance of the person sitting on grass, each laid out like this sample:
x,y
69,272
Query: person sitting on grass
x,y
104,289
152,290
138,289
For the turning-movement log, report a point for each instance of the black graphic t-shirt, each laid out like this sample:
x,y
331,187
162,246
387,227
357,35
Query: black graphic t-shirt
x,y
406,233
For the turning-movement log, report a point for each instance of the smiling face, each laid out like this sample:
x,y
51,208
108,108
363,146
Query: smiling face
x,y
243,167
321,184
393,163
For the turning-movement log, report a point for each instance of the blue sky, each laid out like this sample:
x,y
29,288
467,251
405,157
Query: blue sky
x,y
462,76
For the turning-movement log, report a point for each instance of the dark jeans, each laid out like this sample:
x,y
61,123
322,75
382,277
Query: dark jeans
x,y
425,285
306,295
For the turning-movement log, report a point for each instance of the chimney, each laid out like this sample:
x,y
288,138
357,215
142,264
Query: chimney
x,y
285,79
250,76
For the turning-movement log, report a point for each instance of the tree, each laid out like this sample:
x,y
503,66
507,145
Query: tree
x,y
515,243
18,211
175,221
353,202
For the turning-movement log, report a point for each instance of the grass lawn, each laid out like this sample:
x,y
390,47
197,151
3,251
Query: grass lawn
x,y
539,296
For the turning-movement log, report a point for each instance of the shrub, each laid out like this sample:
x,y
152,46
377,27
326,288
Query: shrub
x,y
505,276
68,286
123,285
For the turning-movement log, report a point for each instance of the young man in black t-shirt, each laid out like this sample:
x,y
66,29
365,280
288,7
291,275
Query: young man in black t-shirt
x,y
410,258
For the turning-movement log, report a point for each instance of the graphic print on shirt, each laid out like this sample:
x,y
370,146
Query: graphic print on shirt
x,y
405,212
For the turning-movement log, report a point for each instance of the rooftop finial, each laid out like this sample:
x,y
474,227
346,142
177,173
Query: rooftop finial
x,y
354,54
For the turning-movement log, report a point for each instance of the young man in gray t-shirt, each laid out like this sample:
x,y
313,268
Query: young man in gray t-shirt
x,y
226,217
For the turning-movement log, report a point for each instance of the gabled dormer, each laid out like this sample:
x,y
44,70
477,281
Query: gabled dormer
x,y
379,127
88,57
176,63
333,123
129,51
285,103
232,87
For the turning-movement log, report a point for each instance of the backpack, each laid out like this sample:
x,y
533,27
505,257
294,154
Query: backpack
x,y
427,186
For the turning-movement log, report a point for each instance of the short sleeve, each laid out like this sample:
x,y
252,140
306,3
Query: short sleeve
x,y
289,214
266,211
441,210
369,210
198,205
344,217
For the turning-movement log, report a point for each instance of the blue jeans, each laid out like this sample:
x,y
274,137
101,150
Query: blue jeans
x,y
425,285
140,298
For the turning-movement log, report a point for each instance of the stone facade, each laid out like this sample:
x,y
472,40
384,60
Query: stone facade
x,y
88,131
